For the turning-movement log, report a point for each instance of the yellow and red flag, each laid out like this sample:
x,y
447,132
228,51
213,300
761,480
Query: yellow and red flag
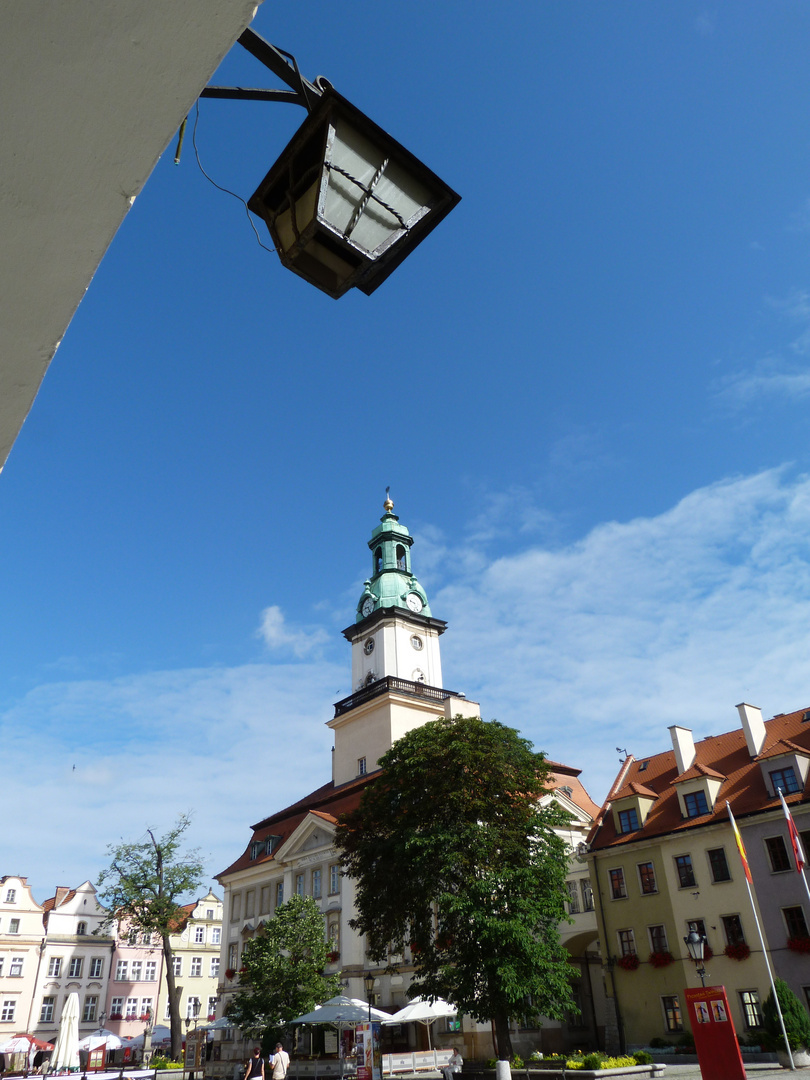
x,y
793,833
740,846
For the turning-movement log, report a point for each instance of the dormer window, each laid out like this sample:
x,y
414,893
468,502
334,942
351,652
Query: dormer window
x,y
696,803
784,780
628,820
786,771
81,929
11,896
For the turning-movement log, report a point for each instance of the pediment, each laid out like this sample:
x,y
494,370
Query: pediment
x,y
315,834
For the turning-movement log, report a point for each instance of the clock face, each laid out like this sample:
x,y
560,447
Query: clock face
x,y
368,606
413,602
368,648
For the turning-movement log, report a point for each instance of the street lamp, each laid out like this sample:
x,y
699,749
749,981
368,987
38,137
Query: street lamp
x,y
147,1040
345,203
368,983
696,943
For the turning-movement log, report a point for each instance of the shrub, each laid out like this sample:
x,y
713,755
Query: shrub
x,y
658,1043
641,1057
517,1062
158,1061
797,1022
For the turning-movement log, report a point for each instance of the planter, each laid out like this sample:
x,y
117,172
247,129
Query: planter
x,y
661,959
629,962
799,944
801,1058
738,952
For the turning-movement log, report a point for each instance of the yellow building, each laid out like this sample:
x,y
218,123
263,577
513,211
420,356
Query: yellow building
x,y
196,945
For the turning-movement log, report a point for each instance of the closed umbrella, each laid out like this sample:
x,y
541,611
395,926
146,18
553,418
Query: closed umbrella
x,y
66,1049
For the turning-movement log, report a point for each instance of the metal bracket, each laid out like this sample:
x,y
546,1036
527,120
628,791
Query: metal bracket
x,y
282,64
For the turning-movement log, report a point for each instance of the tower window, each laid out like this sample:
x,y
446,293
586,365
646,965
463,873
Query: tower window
x,y
401,564
369,646
378,560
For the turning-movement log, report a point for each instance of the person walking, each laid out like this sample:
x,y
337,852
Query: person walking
x,y
280,1063
255,1067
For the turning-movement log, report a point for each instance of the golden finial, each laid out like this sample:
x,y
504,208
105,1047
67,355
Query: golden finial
x,y
388,505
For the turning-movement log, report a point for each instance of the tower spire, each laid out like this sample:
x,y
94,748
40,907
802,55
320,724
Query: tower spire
x,y
388,505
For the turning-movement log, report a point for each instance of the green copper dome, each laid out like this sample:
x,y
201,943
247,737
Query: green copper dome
x,y
391,585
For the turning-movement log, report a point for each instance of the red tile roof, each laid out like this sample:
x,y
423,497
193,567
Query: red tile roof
x,y
724,757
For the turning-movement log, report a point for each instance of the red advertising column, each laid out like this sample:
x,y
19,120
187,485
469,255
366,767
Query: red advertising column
x,y
716,1043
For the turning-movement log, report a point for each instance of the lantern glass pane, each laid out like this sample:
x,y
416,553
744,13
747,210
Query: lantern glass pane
x,y
368,221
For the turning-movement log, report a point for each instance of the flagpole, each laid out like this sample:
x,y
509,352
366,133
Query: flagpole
x,y
796,841
748,884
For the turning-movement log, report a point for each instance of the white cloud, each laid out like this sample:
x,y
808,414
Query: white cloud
x,y
276,634
749,387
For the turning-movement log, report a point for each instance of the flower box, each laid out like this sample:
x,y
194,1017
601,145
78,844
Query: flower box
x,y
799,944
661,959
738,952
629,962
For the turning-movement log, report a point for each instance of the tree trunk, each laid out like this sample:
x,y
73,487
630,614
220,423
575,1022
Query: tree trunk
x,y
503,1037
174,1001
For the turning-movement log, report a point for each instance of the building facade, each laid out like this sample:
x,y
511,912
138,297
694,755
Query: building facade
x,y
664,861
397,686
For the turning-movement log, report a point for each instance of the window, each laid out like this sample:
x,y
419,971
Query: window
x,y
168,1012
573,897
90,1009
658,938
146,1007
250,903
628,820
46,1010
646,875
209,913
55,967
199,934
752,1013
150,974
795,922
686,875
177,965
732,927
232,956
617,887
316,884
236,907
14,926
718,864
214,967
777,854
132,1008
137,970
264,898
299,884
212,1007
15,967
256,849
279,893
784,780
121,970
96,967
216,935
400,557
696,803
2,961
587,894
75,969
7,1010
334,879
672,1013
116,1008
627,942
192,1007
333,935
361,766
11,896
196,967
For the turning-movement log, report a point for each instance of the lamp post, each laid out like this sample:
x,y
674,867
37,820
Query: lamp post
x,y
193,1013
368,982
696,943
345,203
147,1040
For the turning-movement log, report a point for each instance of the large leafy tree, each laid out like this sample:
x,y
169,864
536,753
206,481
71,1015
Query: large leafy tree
x,y
143,886
282,972
452,851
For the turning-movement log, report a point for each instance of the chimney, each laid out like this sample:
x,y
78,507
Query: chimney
x,y
753,726
684,746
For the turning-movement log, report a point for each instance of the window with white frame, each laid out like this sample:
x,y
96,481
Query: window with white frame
x,y
121,970
361,766
75,969
147,1005
177,965
168,1011
199,935
15,968
627,942
316,884
618,889
333,935
11,896
672,1013
90,1009
334,879
132,1008
55,967
46,1010
265,898
587,894
233,955
216,935
96,967
196,967
14,926
299,884
214,967
212,1006
250,903
751,1009
116,1008
658,938
7,1010
81,929
279,893
192,1007
236,906
150,971
137,970
573,897
2,962
209,913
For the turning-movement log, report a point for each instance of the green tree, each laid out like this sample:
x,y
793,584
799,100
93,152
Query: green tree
x,y
143,885
452,852
797,1021
282,972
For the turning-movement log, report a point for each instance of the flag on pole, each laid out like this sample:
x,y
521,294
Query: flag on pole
x,y
740,846
793,833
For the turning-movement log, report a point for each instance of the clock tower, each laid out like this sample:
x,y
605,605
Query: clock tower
x,y
396,661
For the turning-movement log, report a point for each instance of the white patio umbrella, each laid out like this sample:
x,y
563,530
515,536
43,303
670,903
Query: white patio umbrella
x,y
66,1049
102,1037
341,1010
423,1011
160,1035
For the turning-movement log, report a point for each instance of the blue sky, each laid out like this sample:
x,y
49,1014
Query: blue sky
x,y
588,390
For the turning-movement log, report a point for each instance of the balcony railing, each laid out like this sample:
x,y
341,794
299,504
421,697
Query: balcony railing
x,y
399,686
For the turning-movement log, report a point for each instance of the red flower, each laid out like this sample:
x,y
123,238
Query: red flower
x,y
799,944
661,959
629,962
229,973
738,952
